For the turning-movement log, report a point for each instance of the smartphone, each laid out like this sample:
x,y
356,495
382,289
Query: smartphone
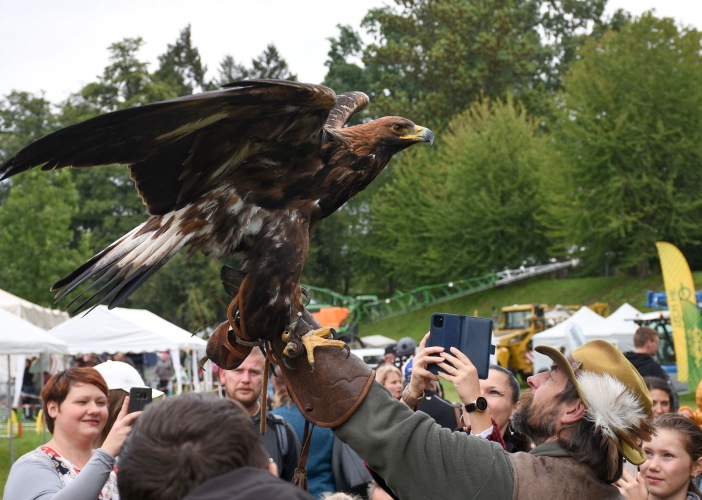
x,y
468,334
631,468
139,397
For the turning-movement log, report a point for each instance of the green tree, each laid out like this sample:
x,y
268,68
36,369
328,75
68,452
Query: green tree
x,y
630,129
468,208
430,59
230,71
36,241
269,64
24,118
180,67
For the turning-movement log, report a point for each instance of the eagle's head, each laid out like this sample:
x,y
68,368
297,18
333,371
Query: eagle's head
x,y
397,133
389,134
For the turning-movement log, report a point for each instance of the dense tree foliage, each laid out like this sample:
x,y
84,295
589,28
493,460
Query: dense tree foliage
x,y
552,140
468,208
630,128
35,235
430,59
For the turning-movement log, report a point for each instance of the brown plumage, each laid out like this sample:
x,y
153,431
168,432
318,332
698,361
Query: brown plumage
x,y
249,168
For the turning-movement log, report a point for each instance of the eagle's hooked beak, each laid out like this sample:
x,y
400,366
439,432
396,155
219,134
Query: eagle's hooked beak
x,y
421,134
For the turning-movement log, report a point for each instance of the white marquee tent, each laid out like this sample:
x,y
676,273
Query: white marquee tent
x,y
129,330
18,336
618,328
37,315
565,336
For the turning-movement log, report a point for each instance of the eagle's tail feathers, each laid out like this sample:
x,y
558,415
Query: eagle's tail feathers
x,y
99,262
122,267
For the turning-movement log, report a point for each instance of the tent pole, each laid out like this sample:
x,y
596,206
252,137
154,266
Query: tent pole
x,y
9,407
41,389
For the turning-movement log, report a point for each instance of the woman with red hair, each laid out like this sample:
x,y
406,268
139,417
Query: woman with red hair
x,y
67,467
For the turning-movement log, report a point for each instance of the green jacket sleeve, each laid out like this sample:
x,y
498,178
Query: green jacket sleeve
x,y
421,460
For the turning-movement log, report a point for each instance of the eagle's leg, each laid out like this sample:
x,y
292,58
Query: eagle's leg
x,y
317,338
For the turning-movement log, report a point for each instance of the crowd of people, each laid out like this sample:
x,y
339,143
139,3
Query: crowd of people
x,y
571,434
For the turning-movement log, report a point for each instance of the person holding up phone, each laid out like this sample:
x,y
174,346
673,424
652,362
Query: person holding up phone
x,y
67,467
585,416
455,367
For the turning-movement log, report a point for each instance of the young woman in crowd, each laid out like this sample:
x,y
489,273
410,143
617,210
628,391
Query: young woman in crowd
x,y
673,460
661,395
67,467
390,377
501,391
120,377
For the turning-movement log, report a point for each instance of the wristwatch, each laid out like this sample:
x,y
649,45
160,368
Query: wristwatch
x,y
479,404
410,400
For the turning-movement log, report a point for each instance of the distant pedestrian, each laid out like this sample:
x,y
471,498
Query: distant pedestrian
x,y
164,371
646,344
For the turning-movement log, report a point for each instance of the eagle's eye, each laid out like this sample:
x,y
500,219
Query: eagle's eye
x,y
397,128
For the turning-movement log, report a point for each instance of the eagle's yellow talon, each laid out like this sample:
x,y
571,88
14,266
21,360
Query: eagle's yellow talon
x,y
319,338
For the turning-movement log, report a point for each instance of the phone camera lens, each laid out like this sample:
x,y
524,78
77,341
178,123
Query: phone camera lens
x,y
438,321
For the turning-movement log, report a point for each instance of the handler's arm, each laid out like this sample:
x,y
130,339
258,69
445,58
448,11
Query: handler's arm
x,y
421,460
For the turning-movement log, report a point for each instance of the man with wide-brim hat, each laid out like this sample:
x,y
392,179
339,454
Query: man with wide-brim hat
x,y
585,415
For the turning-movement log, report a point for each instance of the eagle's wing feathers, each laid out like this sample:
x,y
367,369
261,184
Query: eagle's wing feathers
x,y
347,105
174,147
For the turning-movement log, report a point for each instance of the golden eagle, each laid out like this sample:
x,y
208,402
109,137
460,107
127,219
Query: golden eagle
x,y
249,168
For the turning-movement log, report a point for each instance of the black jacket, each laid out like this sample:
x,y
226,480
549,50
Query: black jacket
x,y
247,483
649,367
646,365
281,443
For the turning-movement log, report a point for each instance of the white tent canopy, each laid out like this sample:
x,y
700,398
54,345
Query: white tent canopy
x,y
565,336
620,322
18,336
35,314
617,329
131,330
123,330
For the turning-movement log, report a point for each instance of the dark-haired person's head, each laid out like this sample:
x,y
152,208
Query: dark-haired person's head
x,y
182,442
83,386
594,403
661,395
501,390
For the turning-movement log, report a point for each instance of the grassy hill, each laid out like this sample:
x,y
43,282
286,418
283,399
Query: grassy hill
x,y
615,291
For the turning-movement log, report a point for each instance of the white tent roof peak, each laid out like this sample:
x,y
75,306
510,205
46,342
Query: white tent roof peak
x,y
18,336
625,311
37,315
619,322
124,330
583,318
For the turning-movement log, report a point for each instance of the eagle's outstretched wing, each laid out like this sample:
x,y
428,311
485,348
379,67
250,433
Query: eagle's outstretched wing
x,y
211,169
179,149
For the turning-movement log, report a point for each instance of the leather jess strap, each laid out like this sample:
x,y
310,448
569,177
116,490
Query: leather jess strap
x,y
300,477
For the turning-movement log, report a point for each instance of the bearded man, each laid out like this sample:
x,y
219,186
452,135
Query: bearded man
x,y
585,416
245,384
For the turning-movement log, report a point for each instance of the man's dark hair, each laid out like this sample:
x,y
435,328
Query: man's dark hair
x,y
643,335
184,441
588,445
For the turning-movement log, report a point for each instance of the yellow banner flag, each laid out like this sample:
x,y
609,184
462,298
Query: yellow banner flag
x,y
685,316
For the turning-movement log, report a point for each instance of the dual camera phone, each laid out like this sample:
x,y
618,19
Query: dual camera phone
x,y
470,335
139,397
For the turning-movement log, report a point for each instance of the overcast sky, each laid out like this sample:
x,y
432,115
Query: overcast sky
x,y
58,46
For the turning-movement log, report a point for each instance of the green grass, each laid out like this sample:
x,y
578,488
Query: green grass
x,y
615,291
29,441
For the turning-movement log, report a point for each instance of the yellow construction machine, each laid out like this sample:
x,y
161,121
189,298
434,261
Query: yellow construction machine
x,y
520,322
